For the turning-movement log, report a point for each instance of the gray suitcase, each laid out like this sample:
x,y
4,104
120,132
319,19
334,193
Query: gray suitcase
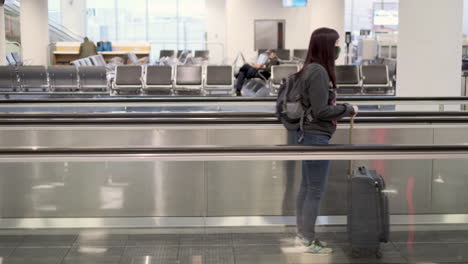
x,y
368,214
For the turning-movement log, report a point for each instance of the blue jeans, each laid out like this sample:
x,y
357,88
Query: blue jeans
x,y
314,181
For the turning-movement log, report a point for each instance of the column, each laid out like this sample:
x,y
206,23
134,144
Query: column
x,y
329,13
430,48
2,35
74,16
34,22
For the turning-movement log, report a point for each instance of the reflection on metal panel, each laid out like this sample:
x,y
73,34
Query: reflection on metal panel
x,y
235,188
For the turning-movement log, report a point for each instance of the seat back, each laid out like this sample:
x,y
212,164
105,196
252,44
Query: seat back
x,y
33,76
300,54
63,76
8,78
219,75
278,72
158,75
93,76
128,75
375,74
132,57
284,54
10,59
204,54
98,60
17,58
347,74
189,75
166,53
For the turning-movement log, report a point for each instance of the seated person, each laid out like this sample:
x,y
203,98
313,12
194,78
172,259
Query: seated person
x,y
262,67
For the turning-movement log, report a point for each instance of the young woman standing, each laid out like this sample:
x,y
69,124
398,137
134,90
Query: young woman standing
x,y
318,81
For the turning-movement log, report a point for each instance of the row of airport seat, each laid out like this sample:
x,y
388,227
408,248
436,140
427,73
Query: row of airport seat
x,y
204,54
53,78
350,79
194,78
287,55
175,80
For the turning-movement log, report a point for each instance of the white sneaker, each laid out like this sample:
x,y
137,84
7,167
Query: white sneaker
x,y
318,248
301,242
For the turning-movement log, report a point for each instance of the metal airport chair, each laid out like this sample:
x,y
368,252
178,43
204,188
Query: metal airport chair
x,y
128,79
10,59
98,60
375,78
219,78
92,78
63,77
166,53
299,54
284,54
348,79
17,58
87,62
188,78
8,78
158,79
203,54
33,77
278,72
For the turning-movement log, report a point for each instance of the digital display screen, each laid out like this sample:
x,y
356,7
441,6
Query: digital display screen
x,y
386,17
294,3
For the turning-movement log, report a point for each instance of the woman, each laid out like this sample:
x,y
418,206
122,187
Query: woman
x,y
318,81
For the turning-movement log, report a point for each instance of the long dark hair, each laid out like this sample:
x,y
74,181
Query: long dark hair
x,y
322,51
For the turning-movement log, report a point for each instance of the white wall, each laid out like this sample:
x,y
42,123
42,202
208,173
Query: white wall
x,y
216,28
329,13
240,24
300,22
465,17
34,31
74,15
2,36
430,48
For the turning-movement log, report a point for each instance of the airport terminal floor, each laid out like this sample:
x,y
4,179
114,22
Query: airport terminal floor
x,y
219,246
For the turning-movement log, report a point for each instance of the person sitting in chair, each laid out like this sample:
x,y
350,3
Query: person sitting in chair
x,y
261,69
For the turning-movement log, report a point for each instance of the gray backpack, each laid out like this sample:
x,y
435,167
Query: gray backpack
x,y
290,108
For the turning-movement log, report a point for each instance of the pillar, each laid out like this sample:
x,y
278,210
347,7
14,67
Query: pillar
x,y
34,27
430,48
2,35
329,13
74,16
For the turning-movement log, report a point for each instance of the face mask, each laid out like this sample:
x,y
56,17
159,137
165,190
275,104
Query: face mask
x,y
337,52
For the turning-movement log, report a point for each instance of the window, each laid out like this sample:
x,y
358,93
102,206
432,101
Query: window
x,y
131,20
55,13
374,15
101,22
167,24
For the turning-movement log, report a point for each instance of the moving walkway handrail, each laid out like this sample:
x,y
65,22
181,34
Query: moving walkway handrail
x,y
227,153
200,99
214,118
218,114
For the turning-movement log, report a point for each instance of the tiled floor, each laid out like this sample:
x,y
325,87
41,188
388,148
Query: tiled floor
x,y
219,248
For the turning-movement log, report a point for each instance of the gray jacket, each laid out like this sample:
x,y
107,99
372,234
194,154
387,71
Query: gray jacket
x,y
319,95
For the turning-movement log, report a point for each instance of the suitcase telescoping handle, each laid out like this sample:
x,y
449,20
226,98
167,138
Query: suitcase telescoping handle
x,y
350,140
